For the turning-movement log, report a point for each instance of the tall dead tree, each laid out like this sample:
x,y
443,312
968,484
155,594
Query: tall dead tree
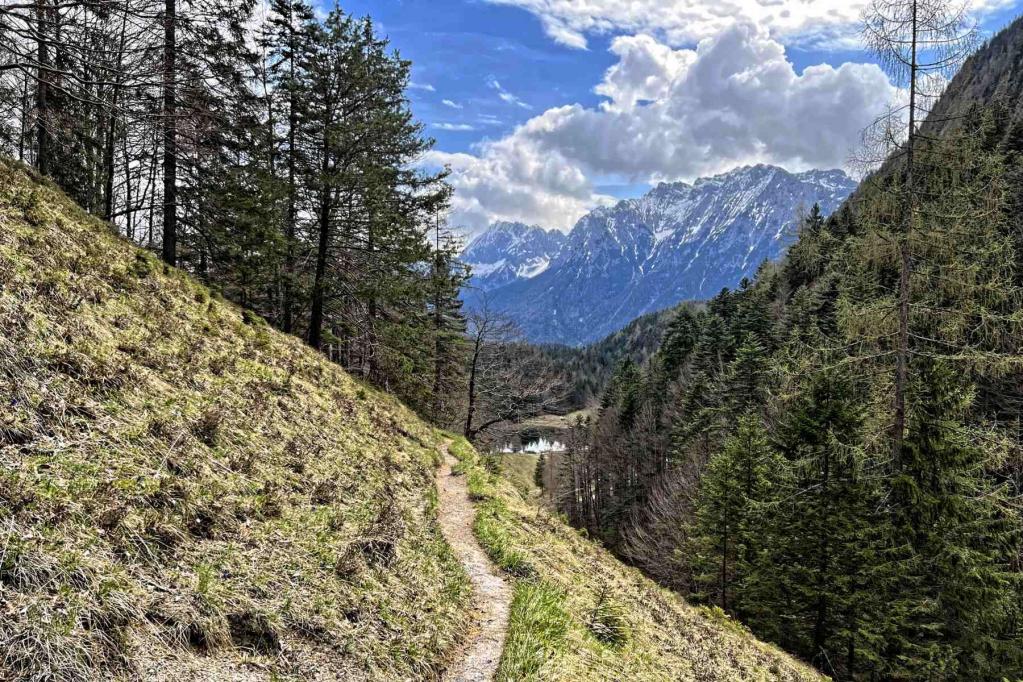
x,y
920,44
170,134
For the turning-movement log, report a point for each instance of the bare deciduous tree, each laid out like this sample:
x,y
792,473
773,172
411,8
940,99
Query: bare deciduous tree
x,y
509,381
920,43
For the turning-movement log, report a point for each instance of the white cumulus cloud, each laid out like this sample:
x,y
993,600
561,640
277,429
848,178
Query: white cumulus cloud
x,y
452,104
684,22
670,114
453,126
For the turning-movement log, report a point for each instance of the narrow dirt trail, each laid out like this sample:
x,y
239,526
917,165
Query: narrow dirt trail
x,y
492,595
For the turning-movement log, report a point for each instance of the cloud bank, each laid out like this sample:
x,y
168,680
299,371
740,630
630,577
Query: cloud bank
x,y
669,114
684,22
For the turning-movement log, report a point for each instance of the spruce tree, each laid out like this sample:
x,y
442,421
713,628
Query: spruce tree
x,y
735,485
959,538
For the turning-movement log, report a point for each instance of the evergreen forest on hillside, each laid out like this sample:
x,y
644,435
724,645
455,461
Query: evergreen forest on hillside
x,y
263,149
752,463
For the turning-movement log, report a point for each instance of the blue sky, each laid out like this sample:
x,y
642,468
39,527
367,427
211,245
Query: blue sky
x,y
484,68
458,46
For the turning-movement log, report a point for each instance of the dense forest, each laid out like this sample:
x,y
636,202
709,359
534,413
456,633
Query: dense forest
x,y
586,371
263,149
834,452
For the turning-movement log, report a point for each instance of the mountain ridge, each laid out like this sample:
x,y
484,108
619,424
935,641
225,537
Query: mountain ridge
x,y
678,242
508,251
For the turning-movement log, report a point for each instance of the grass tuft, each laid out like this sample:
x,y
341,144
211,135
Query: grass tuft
x,y
608,620
538,625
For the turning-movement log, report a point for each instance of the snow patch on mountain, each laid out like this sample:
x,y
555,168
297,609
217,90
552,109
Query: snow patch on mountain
x,y
508,252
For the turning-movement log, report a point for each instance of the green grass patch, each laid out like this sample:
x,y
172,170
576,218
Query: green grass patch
x,y
492,535
537,630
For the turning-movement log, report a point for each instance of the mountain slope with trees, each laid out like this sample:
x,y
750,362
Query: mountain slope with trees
x,y
587,370
268,151
832,453
679,242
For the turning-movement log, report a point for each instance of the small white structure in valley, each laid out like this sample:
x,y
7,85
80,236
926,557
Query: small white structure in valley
x,y
536,447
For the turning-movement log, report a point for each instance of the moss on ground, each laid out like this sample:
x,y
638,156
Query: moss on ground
x,y
186,493
580,614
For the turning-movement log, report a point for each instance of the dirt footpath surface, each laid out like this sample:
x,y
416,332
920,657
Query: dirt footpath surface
x,y
479,659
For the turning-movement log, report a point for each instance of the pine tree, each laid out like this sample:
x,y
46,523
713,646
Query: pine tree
x,y
959,537
816,587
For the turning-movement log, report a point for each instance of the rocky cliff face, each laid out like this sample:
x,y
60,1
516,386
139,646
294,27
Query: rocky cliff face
x,y
507,252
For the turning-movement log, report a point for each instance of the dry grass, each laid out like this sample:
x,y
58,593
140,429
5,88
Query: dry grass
x,y
187,494
520,469
579,614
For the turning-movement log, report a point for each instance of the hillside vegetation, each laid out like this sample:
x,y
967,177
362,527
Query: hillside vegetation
x,y
186,493
588,369
580,614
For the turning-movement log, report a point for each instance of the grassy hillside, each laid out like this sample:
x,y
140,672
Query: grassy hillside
x,y
187,494
579,614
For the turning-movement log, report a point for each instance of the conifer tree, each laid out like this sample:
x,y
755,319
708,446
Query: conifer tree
x,y
737,482
959,538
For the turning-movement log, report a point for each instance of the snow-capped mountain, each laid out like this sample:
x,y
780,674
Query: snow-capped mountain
x,y
507,252
678,242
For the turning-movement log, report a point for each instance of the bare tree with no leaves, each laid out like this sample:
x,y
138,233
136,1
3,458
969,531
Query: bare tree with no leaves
x,y
508,380
920,43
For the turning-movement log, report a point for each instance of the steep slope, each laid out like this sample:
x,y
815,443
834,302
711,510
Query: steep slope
x,y
507,252
579,614
679,242
994,74
188,494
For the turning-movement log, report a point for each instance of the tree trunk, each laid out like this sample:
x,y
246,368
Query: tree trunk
x,y
42,91
905,263
724,569
170,135
289,228
108,151
316,317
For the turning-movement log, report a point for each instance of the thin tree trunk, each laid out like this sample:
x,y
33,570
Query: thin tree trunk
x,y
170,135
438,323
289,228
724,569
24,119
316,316
470,413
108,151
42,91
905,263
